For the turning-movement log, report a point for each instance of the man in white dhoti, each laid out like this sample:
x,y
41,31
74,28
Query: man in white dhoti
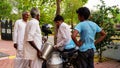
x,y
18,37
33,40
64,40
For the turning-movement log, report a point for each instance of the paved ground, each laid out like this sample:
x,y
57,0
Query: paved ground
x,y
8,62
7,48
108,64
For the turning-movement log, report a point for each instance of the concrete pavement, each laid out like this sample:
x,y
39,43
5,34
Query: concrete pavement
x,y
6,47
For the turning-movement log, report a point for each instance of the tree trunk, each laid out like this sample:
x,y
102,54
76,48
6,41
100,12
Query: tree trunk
x,y
72,22
100,55
58,7
0,26
57,13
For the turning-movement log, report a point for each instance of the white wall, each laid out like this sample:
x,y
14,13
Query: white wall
x,y
113,53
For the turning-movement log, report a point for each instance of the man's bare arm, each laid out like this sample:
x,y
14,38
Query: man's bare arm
x,y
103,35
33,45
74,35
39,53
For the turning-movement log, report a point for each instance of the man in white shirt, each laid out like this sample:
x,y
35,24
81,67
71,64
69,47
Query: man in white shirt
x,y
33,40
64,40
18,37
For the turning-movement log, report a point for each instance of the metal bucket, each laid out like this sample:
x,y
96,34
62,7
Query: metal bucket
x,y
46,51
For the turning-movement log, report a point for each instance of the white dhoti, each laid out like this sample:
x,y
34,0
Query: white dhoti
x,y
37,63
19,61
31,54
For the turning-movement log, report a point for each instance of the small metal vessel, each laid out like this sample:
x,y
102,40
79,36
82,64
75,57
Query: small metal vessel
x,y
46,51
55,61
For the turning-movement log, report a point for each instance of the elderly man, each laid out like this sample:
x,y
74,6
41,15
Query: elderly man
x,y
33,40
18,37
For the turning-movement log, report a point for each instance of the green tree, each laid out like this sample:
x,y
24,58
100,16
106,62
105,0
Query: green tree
x,y
47,8
105,17
69,10
5,9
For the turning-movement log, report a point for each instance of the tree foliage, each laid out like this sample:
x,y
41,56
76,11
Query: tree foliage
x,y
106,17
47,8
5,9
69,10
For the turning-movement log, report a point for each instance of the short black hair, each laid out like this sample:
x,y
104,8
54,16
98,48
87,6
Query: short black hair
x,y
83,11
58,18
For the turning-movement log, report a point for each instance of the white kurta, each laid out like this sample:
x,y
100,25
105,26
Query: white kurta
x,y
32,33
18,37
19,30
63,35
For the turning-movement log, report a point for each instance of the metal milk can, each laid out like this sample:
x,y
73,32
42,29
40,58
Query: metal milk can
x,y
55,61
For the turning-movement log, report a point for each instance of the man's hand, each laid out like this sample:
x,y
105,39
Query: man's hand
x,y
15,45
103,35
56,46
44,39
39,53
80,43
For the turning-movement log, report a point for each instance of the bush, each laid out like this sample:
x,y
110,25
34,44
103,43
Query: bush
x,y
106,18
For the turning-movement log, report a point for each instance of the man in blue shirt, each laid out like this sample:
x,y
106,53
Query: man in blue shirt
x,y
87,31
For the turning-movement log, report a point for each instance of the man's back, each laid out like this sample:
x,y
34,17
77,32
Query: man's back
x,y
64,32
87,30
32,33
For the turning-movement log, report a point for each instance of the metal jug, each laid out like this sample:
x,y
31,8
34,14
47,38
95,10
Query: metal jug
x,y
46,51
55,61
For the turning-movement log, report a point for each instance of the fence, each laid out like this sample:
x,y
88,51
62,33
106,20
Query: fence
x,y
6,29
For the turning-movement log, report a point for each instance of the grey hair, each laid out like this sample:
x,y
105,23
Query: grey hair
x,y
24,12
34,12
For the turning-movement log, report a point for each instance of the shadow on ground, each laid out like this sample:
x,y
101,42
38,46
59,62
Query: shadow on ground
x,y
3,55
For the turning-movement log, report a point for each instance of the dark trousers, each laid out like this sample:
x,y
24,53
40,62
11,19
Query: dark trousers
x,y
86,59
